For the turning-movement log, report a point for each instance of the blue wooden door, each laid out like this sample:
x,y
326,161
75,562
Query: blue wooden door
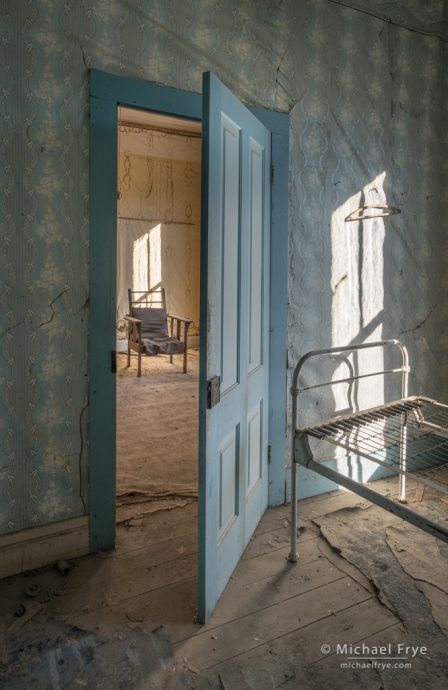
x,y
233,481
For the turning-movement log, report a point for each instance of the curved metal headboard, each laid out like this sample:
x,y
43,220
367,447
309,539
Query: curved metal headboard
x,y
295,391
404,369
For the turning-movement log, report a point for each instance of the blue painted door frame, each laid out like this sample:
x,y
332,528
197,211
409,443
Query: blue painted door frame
x,y
107,92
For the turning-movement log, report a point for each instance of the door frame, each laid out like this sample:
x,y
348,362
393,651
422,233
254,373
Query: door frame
x,y
107,92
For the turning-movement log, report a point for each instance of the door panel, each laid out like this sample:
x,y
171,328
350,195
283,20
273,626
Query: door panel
x,y
254,448
230,241
234,335
228,481
256,255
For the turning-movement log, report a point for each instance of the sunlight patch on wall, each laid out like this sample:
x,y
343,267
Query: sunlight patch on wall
x,y
140,263
155,257
147,260
357,305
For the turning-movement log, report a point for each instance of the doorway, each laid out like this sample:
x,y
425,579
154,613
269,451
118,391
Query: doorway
x,y
263,420
158,248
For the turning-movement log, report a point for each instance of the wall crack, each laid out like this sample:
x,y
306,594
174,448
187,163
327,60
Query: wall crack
x,y
341,280
53,312
419,325
11,328
81,450
277,73
83,57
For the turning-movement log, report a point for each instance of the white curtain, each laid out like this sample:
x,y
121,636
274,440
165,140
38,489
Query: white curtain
x,y
139,262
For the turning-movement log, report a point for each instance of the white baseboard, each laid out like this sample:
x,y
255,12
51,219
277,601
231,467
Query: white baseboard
x,y
40,546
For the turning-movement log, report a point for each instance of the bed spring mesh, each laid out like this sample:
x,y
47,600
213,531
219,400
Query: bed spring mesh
x,y
410,435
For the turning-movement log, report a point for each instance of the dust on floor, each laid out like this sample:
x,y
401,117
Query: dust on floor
x,y
125,619
157,433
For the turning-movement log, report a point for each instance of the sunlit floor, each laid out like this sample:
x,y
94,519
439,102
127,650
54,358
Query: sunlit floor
x,y
125,619
157,434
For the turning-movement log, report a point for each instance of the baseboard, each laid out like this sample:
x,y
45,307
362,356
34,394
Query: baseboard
x,y
41,546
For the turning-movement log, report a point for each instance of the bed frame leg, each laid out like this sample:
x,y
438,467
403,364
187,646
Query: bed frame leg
x,y
402,489
403,454
293,556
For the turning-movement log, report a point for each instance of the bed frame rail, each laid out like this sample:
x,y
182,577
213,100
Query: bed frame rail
x,y
297,456
374,497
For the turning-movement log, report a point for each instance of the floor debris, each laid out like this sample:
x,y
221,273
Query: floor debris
x,y
406,568
125,620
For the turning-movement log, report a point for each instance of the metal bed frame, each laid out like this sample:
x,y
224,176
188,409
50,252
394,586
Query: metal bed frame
x,y
408,436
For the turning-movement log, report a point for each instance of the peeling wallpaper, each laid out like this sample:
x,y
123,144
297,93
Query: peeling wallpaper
x,y
368,106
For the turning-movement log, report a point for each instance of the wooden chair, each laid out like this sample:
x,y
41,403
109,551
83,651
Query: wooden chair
x,y
148,328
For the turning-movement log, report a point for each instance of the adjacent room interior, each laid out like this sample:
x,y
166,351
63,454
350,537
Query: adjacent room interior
x,y
158,242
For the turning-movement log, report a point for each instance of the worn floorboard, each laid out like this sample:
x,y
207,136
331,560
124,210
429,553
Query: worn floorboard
x,y
268,630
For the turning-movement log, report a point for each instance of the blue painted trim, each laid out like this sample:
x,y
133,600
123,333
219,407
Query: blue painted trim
x,y
278,123
203,320
106,93
103,180
145,95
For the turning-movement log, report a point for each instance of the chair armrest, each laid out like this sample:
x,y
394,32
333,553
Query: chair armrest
x,y
134,328
179,318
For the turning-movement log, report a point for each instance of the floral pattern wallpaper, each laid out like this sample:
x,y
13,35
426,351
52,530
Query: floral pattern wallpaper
x,y
368,121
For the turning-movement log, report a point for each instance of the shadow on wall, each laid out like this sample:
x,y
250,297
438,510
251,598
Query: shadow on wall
x,y
152,255
358,286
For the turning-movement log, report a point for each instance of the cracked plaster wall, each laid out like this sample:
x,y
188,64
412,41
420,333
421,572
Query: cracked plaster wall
x,y
367,98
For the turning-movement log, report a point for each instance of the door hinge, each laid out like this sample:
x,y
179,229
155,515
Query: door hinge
x,y
269,454
113,361
213,391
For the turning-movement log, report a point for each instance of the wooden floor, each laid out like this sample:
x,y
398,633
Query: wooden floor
x,y
268,629
125,619
157,431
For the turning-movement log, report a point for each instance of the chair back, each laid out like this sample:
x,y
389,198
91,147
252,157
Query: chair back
x,y
147,299
150,308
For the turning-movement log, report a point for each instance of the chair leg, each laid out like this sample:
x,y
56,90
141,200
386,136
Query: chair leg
x,y
129,355
139,365
185,352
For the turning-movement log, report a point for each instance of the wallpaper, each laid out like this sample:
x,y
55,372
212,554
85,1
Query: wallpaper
x,y
377,136
368,106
